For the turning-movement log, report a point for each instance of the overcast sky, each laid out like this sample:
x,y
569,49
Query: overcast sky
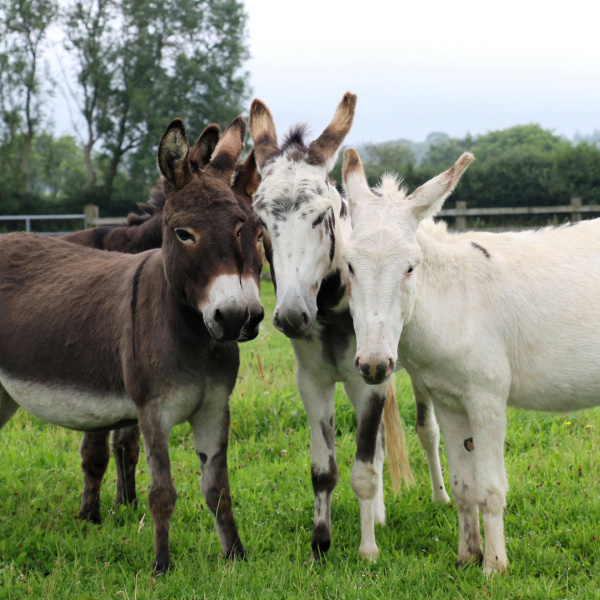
x,y
428,65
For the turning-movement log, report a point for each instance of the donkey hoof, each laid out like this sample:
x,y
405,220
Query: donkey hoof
x,y
369,552
238,551
160,567
92,517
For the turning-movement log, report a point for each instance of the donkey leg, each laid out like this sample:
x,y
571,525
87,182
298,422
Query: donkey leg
x,y
317,398
162,495
126,450
94,460
429,436
8,407
368,402
210,425
488,422
461,462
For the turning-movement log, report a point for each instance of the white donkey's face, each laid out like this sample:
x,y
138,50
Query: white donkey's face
x,y
383,259
299,210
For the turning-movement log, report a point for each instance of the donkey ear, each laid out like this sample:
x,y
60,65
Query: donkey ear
x,y
247,179
228,150
263,133
324,150
427,200
204,147
173,150
355,181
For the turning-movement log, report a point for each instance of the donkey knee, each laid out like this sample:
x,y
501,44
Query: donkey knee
x,y
364,480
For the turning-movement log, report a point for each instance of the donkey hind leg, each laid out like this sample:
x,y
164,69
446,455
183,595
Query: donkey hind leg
x,y
488,423
317,398
162,495
94,460
210,425
368,402
461,462
126,450
429,436
8,407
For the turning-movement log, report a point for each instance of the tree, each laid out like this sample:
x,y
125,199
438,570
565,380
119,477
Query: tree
x,y
140,63
23,27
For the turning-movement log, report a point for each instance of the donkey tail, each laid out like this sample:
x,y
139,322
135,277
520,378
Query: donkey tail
x,y
395,442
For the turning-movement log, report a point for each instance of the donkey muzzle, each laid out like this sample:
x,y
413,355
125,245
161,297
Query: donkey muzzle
x,y
374,370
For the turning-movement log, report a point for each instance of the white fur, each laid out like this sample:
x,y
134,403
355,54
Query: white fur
x,y
225,292
68,406
301,257
476,333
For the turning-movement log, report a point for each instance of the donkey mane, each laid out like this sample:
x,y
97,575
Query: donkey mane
x,y
295,137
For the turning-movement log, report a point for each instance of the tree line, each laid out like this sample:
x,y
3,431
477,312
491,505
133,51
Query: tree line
x,y
129,66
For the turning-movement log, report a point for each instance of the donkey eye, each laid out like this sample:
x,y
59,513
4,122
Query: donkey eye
x,y
185,236
410,270
319,220
350,269
263,224
239,232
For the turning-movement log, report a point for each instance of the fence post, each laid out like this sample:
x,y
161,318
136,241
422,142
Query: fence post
x,y
91,213
461,220
576,214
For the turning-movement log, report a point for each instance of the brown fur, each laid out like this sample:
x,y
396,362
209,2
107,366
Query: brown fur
x,y
263,132
326,145
115,323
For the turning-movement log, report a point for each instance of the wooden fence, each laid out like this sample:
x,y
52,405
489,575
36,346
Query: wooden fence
x,y
574,211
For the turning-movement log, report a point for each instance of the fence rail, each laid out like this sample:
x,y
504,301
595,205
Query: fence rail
x,y
91,216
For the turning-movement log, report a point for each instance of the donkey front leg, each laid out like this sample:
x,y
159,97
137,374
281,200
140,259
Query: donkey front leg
x,y
126,450
162,495
210,425
94,460
488,421
367,479
318,402
460,450
429,436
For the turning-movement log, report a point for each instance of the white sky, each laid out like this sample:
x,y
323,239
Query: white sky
x,y
455,66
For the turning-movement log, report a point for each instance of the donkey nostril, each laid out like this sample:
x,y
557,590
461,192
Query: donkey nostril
x,y
390,367
218,316
276,318
357,363
304,319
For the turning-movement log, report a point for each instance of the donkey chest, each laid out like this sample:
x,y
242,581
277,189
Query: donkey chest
x,y
331,348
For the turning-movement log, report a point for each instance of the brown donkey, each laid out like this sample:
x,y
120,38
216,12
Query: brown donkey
x,y
144,232
98,340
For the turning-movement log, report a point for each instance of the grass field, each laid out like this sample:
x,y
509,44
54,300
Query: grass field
x,y
552,518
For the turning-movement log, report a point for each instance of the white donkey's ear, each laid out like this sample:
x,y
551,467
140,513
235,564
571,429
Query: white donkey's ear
x,y
355,182
427,200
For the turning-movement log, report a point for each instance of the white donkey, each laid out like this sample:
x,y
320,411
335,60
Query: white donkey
x,y
480,321
305,225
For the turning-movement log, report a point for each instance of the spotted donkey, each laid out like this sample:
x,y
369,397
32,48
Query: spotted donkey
x,y
306,224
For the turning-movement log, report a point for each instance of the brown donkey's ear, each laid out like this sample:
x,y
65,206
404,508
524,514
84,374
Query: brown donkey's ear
x,y
263,132
204,147
173,150
247,179
228,150
324,150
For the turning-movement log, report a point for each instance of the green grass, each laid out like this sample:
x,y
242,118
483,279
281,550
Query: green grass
x,y
552,519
